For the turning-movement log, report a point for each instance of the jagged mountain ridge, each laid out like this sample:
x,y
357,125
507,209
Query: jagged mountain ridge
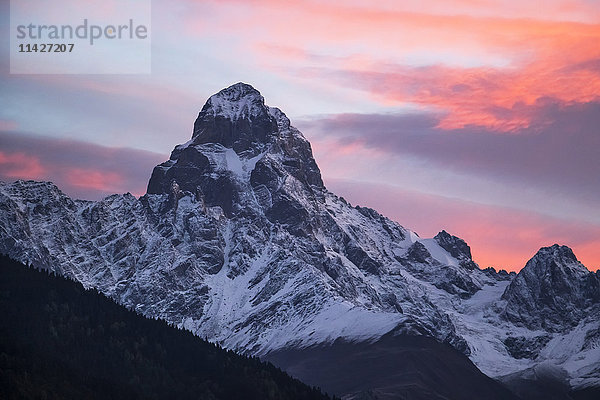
x,y
238,240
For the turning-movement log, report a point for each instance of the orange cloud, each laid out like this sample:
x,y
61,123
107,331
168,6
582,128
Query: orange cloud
x,y
502,100
478,68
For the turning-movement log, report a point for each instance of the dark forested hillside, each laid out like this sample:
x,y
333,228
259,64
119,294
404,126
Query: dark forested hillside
x,y
60,341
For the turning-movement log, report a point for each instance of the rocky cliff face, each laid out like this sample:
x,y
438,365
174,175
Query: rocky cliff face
x,y
238,241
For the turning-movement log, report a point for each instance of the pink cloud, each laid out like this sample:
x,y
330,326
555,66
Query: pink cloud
x,y
80,169
88,178
20,165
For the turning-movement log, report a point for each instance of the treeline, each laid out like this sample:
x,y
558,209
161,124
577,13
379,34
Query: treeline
x,y
60,341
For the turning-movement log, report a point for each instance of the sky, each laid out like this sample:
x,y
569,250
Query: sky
x,y
480,117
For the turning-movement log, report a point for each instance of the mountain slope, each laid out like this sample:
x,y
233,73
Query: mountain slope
x,y
59,341
238,241
407,367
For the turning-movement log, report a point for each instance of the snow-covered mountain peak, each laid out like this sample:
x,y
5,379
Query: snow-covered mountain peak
x,y
243,155
238,91
238,241
236,118
237,101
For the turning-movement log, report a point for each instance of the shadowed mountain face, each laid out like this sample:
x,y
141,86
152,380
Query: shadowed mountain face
x,y
394,367
238,241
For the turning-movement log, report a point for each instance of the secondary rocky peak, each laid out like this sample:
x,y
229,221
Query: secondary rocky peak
x,y
457,248
551,291
453,244
557,263
556,256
